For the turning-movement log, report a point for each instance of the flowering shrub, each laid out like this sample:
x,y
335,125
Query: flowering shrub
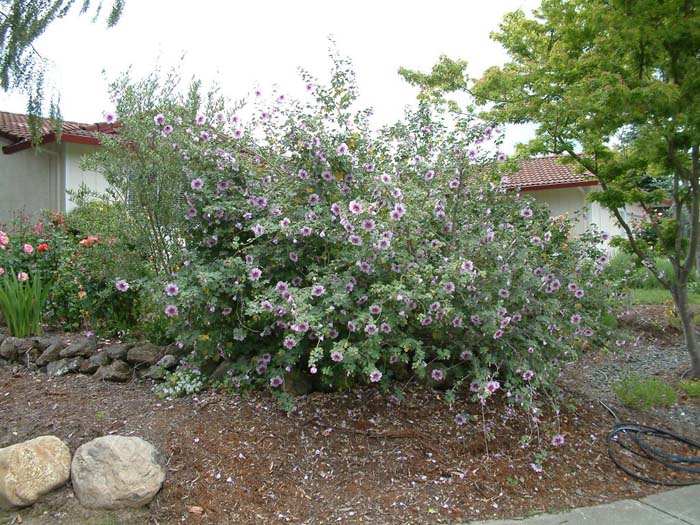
x,y
313,244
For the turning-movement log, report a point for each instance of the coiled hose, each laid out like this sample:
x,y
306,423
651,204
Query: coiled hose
x,y
638,445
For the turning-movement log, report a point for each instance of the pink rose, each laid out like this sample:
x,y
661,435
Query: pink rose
x,y
2,271
28,248
4,239
22,276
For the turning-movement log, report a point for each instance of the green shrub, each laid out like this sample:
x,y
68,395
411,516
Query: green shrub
x,y
636,391
691,387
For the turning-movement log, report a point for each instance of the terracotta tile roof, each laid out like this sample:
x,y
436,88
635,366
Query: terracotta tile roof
x,y
15,127
549,172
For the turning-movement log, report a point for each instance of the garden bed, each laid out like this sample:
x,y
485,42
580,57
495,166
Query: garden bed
x,y
347,458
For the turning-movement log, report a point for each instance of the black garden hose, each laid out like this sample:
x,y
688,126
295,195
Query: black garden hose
x,y
639,447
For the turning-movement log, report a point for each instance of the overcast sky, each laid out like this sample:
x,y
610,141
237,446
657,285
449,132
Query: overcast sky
x,y
245,45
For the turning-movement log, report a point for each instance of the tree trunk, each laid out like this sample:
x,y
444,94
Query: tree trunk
x,y
680,298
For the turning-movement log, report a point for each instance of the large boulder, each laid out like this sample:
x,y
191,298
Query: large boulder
x,y
52,353
31,469
113,472
59,368
117,371
84,347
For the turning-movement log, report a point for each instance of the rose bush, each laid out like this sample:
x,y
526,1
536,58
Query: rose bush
x,y
312,245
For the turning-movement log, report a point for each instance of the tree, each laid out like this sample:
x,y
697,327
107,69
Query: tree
x,y
614,84
22,22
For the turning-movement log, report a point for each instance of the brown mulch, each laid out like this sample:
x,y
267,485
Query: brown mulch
x,y
339,458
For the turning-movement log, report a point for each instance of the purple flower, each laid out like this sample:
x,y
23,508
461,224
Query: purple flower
x,y
558,440
318,291
336,356
473,386
501,157
281,286
227,310
159,119
385,328
375,376
449,287
375,309
355,207
492,386
503,293
197,184
368,225
467,266
371,329
460,419
342,149
498,334
426,320
603,259
529,374
110,117
289,343
466,354
255,274
267,306
276,381
526,212
313,199
579,293
355,240
122,285
167,129
576,319
171,310
305,231
258,229
438,374
430,175
293,257
172,290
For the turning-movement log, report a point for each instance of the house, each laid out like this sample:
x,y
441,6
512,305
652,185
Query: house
x,y
34,178
564,189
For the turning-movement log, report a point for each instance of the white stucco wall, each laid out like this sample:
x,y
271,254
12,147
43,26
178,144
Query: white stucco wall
x,y
30,181
566,201
74,176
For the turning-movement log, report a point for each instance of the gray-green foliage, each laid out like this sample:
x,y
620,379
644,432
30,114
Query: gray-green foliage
x,y
146,180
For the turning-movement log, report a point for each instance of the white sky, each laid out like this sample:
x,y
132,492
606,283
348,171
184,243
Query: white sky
x,y
243,45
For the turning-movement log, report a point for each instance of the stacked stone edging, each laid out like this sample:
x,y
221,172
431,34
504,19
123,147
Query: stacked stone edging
x,y
105,361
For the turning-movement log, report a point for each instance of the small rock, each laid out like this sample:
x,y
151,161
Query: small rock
x,y
155,372
177,350
145,354
58,368
31,469
220,371
88,367
297,383
84,347
52,353
168,362
113,472
12,347
117,371
30,356
42,343
119,351
101,358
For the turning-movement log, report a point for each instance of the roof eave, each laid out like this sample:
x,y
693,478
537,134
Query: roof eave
x,y
559,186
49,138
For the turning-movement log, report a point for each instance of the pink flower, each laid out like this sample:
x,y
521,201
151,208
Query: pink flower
x,y
438,374
110,117
122,285
22,276
336,356
4,239
318,291
276,381
558,440
255,274
375,376
172,290
355,207
28,248
159,119
197,184
2,270
171,310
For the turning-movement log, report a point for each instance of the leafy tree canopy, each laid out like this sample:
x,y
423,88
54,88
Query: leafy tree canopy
x,y
22,22
615,84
